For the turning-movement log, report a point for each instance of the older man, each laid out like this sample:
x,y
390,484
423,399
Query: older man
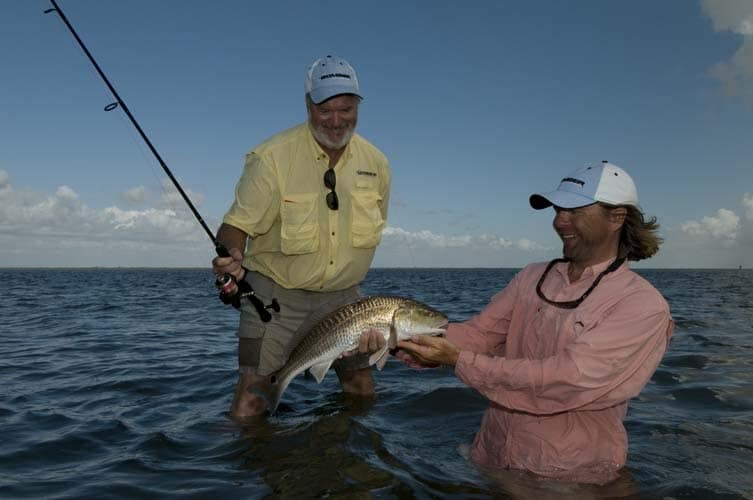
x,y
561,350
308,214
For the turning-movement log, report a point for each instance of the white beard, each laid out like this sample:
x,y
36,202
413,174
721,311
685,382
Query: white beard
x,y
324,140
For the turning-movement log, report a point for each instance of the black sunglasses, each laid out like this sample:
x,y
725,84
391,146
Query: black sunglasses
x,y
572,304
329,182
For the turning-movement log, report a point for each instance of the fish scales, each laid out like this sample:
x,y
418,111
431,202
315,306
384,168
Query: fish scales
x,y
339,331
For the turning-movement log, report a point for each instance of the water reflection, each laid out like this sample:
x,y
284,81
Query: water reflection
x,y
314,454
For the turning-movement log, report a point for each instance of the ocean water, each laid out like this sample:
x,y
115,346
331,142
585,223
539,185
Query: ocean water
x,y
116,383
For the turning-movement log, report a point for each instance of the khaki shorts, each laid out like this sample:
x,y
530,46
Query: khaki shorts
x,y
263,348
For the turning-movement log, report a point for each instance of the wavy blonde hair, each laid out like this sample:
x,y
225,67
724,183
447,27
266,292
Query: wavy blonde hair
x,y
638,239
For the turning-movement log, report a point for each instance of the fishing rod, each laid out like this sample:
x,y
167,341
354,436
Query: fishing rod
x,y
231,289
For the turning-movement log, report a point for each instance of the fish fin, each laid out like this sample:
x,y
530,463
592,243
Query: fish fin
x,y
382,361
273,399
320,370
379,358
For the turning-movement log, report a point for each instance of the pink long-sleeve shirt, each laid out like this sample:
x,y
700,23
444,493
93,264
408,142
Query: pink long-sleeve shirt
x,y
559,380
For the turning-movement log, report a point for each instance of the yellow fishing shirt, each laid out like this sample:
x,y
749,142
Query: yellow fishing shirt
x,y
296,240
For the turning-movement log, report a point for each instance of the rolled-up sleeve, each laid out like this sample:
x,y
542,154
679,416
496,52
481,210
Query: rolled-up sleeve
x,y
487,331
604,365
257,198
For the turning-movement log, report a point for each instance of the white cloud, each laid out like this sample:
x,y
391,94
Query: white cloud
x,y
730,15
64,213
736,16
529,245
60,228
747,203
134,195
722,240
425,238
167,197
424,248
19,208
170,196
724,226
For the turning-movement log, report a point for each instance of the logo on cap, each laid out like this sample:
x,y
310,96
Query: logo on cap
x,y
334,75
330,76
574,181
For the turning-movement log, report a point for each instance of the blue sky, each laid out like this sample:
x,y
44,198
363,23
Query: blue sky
x,y
477,104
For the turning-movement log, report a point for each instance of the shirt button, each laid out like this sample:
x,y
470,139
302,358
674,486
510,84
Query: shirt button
x,y
331,262
333,233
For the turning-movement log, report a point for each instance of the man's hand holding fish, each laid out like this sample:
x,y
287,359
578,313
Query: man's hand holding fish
x,y
425,351
370,341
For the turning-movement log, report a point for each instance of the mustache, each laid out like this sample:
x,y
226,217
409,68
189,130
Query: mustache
x,y
321,136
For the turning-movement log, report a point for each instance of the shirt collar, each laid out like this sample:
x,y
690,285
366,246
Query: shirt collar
x,y
319,153
590,271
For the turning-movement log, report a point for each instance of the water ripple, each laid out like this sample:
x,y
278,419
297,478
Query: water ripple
x,y
113,390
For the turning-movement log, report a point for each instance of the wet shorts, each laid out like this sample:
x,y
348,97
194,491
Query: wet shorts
x,y
264,348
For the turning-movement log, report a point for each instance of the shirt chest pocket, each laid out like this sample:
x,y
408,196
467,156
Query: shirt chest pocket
x,y
560,328
367,222
577,324
299,231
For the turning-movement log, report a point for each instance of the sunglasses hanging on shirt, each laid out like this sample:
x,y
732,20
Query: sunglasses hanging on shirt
x,y
572,304
330,180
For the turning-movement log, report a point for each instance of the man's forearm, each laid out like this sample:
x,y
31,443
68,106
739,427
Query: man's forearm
x,y
232,237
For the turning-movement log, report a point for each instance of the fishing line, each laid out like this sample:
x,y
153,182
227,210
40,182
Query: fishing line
x,y
166,196
231,290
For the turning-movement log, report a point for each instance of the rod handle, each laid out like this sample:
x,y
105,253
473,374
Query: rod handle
x,y
244,290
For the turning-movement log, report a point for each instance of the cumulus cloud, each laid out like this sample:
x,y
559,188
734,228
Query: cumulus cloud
x,y
424,248
61,222
167,196
528,245
425,238
134,195
170,196
747,203
736,16
64,213
730,15
724,226
59,229
721,240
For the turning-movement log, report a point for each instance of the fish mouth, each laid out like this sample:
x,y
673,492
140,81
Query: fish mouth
x,y
437,330
438,327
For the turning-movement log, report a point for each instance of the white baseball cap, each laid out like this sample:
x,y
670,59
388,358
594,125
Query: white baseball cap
x,y
330,76
604,182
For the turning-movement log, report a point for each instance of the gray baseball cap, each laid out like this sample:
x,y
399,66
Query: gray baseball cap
x,y
330,76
